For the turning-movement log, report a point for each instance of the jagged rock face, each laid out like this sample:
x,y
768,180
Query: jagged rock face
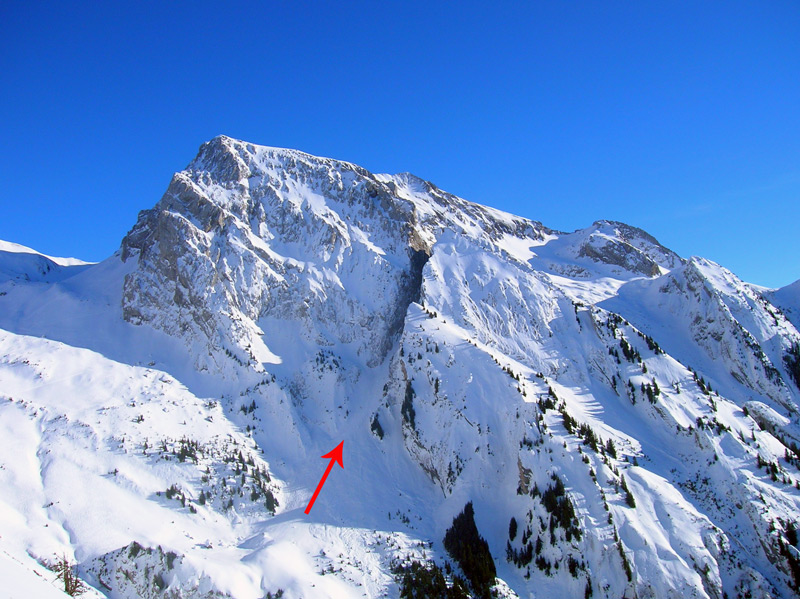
x,y
246,234
618,253
635,249
635,413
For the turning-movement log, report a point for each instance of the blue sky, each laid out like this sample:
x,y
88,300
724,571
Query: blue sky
x,y
682,118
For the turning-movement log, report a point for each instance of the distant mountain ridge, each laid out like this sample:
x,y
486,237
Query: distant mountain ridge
x,y
624,421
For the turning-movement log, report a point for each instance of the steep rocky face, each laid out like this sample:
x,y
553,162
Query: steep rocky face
x,y
626,247
632,413
249,234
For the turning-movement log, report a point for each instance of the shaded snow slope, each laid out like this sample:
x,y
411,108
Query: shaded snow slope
x,y
787,299
20,263
633,412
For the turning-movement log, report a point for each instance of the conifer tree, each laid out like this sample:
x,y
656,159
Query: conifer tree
x,y
65,572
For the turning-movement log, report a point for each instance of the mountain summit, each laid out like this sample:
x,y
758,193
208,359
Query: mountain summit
x,y
526,412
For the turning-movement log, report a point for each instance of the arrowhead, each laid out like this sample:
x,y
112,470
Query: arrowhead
x,y
336,454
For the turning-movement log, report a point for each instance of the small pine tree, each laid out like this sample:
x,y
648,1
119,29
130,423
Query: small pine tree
x,y
65,572
376,427
270,502
610,449
407,408
628,495
792,362
791,533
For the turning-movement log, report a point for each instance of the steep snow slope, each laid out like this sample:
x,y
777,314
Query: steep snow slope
x,y
633,412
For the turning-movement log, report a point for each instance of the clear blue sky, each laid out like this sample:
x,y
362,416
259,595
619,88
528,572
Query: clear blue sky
x,y
682,118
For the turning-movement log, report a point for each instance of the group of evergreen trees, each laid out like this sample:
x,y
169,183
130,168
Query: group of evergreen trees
x,y
407,408
651,391
787,547
259,479
471,552
562,513
792,362
628,495
418,581
630,353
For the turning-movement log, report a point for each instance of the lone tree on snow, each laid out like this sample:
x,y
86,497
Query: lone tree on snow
x,y
65,571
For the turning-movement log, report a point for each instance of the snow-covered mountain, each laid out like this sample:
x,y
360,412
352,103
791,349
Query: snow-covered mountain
x,y
621,421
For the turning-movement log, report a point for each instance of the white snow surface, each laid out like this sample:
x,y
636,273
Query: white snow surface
x,y
16,248
163,411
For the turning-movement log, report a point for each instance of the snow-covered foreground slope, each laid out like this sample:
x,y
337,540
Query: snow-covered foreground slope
x,y
624,421
98,445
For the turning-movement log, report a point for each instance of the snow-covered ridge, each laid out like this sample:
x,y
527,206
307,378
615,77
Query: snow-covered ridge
x,y
20,263
15,248
623,420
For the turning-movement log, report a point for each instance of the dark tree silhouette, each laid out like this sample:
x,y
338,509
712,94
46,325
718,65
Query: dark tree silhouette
x,y
471,551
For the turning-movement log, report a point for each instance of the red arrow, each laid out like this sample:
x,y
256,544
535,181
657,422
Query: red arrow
x,y
334,456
